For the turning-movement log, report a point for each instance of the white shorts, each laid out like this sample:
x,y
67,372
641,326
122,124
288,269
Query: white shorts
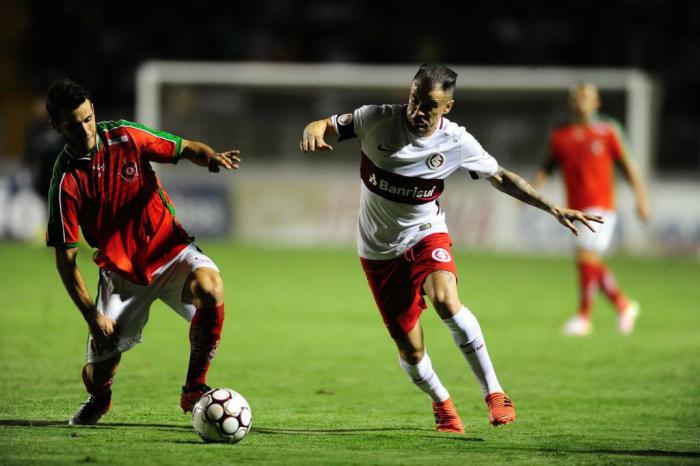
x,y
129,303
601,239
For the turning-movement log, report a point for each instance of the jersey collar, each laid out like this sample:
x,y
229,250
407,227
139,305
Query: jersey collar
x,y
89,155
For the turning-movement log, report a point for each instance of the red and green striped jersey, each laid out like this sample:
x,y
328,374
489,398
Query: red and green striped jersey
x,y
115,198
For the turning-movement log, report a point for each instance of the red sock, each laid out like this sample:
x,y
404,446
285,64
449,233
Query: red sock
x,y
205,333
95,389
609,286
588,284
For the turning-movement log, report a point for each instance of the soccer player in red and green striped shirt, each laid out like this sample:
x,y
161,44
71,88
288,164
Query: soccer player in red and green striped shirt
x,y
587,149
103,185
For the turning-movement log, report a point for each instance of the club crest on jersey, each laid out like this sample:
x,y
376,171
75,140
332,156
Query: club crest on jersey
x,y
129,171
596,147
441,255
435,161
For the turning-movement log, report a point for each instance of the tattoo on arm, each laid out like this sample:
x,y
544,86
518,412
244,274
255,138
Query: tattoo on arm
x,y
515,186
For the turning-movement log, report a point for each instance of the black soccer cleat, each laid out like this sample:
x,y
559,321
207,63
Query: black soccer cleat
x,y
92,410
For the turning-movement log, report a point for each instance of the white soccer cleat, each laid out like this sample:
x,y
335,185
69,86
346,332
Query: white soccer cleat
x,y
628,317
577,326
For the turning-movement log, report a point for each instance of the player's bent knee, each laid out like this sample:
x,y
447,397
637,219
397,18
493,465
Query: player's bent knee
x,y
446,305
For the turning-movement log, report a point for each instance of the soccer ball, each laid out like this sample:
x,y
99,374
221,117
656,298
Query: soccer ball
x,y
222,415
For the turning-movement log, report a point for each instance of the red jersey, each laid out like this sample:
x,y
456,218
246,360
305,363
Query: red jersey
x,y
586,154
114,196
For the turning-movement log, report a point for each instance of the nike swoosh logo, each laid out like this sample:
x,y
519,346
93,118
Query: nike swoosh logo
x,y
388,149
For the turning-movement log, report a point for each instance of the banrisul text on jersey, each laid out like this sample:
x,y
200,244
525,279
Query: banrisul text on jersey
x,y
398,188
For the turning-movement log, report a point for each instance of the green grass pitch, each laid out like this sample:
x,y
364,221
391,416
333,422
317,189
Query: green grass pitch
x,y
305,345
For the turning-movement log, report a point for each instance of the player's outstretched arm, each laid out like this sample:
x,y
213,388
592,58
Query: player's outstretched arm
x,y
514,185
102,328
640,194
314,133
204,156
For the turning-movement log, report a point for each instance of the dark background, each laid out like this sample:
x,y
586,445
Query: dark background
x,y
100,45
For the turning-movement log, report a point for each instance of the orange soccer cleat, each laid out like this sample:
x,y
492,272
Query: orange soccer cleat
x,y
501,409
446,417
189,397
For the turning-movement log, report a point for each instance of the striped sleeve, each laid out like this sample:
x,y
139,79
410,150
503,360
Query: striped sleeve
x,y
156,146
64,205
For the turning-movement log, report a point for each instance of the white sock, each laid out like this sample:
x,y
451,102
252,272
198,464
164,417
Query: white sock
x,y
425,378
466,333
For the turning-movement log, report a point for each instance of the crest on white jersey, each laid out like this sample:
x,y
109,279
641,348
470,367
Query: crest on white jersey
x,y
441,255
435,161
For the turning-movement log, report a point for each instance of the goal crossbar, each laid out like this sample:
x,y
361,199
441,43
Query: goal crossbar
x,y
639,88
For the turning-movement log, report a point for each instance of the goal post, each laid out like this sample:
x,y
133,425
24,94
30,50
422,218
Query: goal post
x,y
639,89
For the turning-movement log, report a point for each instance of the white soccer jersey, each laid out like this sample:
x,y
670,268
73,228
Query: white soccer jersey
x,y
403,176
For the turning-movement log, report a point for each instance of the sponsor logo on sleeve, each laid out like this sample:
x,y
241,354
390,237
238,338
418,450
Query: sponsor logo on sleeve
x,y
441,255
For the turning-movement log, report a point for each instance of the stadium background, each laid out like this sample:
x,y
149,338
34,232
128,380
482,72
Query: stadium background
x,y
303,341
104,48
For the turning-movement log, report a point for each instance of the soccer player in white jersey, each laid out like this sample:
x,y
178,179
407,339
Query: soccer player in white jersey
x,y
403,243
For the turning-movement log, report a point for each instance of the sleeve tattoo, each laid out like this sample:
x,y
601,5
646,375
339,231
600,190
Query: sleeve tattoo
x,y
515,186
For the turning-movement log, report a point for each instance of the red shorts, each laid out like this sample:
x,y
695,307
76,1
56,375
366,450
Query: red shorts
x,y
397,284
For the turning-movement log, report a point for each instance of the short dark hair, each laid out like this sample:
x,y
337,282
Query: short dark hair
x,y
437,75
64,96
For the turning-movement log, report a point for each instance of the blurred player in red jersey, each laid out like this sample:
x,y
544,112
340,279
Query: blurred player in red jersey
x,y
586,150
103,184
403,242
